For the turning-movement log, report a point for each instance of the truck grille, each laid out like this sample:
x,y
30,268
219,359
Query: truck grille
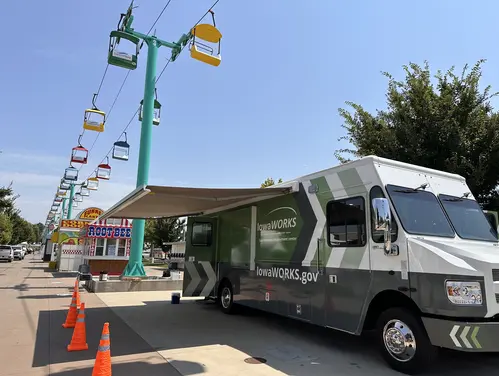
x,y
497,298
495,275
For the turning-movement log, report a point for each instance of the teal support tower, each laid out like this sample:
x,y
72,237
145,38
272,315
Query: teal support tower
x,y
135,268
71,197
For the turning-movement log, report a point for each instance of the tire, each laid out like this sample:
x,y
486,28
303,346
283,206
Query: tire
x,y
226,298
415,355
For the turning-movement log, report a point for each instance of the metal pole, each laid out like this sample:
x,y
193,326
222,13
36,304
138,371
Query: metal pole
x,y
63,207
71,197
135,268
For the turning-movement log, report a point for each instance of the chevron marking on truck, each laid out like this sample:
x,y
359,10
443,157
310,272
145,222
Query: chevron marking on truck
x,y
212,278
464,336
195,278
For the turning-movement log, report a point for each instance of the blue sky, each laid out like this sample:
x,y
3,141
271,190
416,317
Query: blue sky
x,y
269,109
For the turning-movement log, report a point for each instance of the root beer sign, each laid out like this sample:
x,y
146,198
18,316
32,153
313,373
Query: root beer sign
x,y
113,232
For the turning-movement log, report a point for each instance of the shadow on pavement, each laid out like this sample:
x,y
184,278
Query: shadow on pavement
x,y
46,296
193,324
27,287
45,269
141,368
63,274
49,277
284,343
124,341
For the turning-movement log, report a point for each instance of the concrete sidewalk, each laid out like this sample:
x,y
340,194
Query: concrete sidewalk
x,y
34,305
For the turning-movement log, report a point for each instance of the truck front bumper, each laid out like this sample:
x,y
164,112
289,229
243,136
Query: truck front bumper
x,y
463,336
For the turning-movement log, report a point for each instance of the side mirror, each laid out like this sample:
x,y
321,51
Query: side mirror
x,y
383,221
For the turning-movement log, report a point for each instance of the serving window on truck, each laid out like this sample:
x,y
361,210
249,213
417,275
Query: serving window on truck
x,y
201,241
346,222
202,234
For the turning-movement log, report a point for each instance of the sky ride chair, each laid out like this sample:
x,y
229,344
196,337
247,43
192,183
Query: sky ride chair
x,y
201,51
94,119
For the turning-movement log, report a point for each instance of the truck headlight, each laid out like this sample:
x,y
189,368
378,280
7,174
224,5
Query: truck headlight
x,y
463,292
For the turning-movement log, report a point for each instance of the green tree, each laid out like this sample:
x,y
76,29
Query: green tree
x,y
149,233
268,182
39,232
22,230
7,201
164,230
448,125
36,234
5,229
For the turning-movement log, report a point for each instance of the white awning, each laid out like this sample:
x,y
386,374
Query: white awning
x,y
156,202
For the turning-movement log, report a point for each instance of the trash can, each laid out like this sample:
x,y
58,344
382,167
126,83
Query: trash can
x,y
103,276
84,272
175,297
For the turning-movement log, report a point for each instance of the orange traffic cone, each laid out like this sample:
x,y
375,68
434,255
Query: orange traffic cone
x,y
77,292
79,339
102,366
72,314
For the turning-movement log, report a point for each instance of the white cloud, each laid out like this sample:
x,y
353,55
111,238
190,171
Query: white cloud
x,y
28,178
109,193
37,192
34,157
27,161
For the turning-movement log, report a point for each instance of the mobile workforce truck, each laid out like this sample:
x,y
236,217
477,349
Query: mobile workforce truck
x,y
370,244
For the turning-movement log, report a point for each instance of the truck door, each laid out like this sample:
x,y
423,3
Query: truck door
x,y
389,271
347,271
200,274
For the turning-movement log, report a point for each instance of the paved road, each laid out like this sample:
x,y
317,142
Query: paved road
x,y
199,333
149,336
34,304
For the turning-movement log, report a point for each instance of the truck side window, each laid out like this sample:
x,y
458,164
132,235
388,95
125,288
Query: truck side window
x,y
492,220
346,222
201,234
377,192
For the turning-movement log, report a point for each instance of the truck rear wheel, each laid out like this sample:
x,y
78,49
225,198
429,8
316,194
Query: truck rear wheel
x,y
226,298
403,341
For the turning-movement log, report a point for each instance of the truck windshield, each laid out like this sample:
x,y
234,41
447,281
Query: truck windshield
x,y
419,211
468,219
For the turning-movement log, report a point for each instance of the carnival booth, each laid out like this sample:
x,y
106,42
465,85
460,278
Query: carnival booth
x,y
106,245
69,249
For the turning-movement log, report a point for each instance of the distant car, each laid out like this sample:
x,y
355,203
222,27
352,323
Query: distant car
x,y
6,253
18,252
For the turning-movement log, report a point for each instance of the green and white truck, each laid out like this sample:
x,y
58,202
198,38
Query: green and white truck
x,y
372,244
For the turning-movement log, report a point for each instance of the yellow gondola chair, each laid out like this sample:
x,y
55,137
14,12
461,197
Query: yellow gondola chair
x,y
201,51
94,119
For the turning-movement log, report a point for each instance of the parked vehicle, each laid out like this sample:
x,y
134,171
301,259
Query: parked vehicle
x,y
373,244
19,252
6,253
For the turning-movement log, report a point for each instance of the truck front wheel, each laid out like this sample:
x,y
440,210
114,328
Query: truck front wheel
x,y
403,341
